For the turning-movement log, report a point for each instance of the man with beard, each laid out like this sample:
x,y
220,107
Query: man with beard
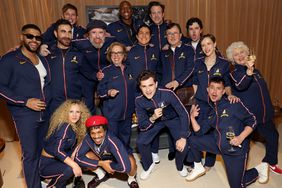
x,y
25,86
125,28
65,62
69,12
94,48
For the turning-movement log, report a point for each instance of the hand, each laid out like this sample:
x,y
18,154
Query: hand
x,y
180,144
195,110
233,99
35,104
100,75
113,92
158,112
106,165
166,47
172,85
77,170
44,50
128,48
236,141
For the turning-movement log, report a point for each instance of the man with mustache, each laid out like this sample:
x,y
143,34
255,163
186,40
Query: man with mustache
x,y
94,48
65,62
25,86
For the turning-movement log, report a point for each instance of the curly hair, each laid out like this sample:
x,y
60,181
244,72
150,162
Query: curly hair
x,y
61,115
236,45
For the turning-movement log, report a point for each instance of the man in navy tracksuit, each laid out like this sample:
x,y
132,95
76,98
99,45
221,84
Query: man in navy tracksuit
x,y
95,50
69,13
156,109
65,62
252,89
223,117
100,148
125,28
194,27
158,25
25,85
176,67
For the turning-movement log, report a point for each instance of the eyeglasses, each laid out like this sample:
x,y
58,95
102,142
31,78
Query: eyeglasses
x,y
172,34
31,36
117,53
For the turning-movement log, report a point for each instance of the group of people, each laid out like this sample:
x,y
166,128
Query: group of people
x,y
51,81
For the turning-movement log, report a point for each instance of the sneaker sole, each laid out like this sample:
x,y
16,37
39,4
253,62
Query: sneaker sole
x,y
196,177
274,171
157,162
264,182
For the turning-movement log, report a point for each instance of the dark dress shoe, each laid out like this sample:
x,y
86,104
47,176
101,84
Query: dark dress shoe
x,y
78,182
95,181
133,184
171,156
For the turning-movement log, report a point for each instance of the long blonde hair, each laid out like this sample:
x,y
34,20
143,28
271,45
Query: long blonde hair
x,y
61,115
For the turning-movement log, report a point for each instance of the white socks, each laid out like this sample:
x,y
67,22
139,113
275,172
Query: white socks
x,y
100,172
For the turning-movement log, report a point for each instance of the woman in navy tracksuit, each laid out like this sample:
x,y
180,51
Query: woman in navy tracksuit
x,y
117,90
65,132
205,68
251,87
221,116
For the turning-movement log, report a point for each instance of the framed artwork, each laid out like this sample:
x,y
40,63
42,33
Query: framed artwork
x,y
110,14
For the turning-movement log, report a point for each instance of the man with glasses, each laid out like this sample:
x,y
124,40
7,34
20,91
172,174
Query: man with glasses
x,y
176,67
25,86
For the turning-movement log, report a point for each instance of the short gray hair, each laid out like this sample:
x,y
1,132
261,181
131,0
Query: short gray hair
x,y
235,45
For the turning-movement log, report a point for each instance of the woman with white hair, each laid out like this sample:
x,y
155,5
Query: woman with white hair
x,y
250,86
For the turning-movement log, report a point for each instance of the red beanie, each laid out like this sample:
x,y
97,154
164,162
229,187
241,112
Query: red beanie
x,y
96,121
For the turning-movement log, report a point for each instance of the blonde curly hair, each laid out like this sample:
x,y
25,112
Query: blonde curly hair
x,y
61,115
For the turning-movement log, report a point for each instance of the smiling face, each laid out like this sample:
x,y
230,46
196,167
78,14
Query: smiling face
x,y
97,37
143,36
157,15
74,113
97,134
71,16
31,44
148,87
215,91
125,10
208,46
117,55
173,36
240,56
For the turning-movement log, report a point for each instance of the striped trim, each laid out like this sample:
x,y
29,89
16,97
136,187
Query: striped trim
x,y
14,101
117,150
61,140
255,120
236,82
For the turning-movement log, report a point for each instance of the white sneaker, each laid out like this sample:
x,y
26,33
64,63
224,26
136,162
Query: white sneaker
x,y
263,172
145,174
183,172
156,158
198,171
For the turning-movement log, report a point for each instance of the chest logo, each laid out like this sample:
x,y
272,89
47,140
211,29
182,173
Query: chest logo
x,y
119,30
53,57
130,77
153,57
136,57
74,59
200,71
224,114
88,51
217,73
182,56
22,62
167,55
